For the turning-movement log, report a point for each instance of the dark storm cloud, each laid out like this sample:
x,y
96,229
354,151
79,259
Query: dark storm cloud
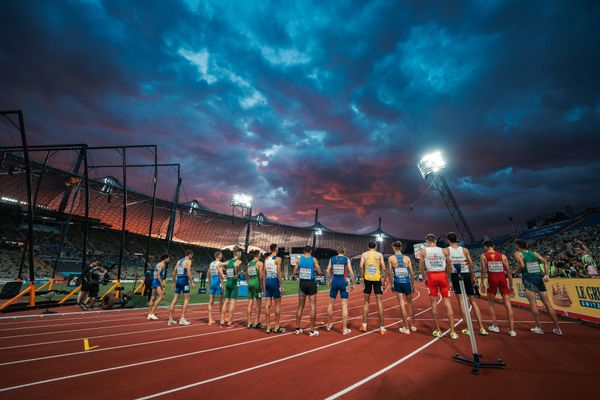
x,y
330,105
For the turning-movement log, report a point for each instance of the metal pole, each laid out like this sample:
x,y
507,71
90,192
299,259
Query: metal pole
x,y
87,205
154,183
314,243
124,222
247,242
173,216
37,190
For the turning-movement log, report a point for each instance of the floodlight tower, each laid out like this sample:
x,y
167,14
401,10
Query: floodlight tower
x,y
243,203
432,165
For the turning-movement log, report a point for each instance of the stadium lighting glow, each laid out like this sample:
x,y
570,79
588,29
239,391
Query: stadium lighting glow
x,y
318,232
431,163
243,200
379,238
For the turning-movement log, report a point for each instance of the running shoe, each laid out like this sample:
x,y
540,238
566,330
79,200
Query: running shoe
x,y
298,331
465,331
279,330
328,328
413,328
404,331
453,335
537,330
258,326
152,317
249,326
382,330
512,333
211,322
557,331
483,332
171,322
493,328
183,322
437,333
363,328
313,333
268,331
346,331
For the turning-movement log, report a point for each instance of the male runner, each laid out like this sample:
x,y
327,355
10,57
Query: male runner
x,y
255,279
216,278
400,267
340,267
494,268
307,267
158,291
459,259
231,288
373,272
533,281
435,270
182,279
273,284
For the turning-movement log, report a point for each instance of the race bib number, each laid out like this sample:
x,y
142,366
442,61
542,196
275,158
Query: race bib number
x,y
372,270
533,267
338,269
180,270
495,266
271,272
230,272
436,265
401,272
252,271
305,273
213,271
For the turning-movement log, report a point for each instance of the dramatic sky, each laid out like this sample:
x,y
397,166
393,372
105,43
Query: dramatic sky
x,y
326,104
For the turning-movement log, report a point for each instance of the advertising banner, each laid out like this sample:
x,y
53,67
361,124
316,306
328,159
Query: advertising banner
x,y
574,298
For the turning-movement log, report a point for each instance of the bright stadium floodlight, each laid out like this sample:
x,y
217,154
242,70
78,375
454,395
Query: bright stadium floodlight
x,y
431,163
318,232
243,200
379,238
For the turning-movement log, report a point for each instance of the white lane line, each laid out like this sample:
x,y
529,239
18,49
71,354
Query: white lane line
x,y
217,378
172,357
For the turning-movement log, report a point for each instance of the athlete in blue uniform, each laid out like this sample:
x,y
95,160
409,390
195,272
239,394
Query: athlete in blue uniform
x,y
306,268
216,278
182,279
400,267
158,290
273,284
338,269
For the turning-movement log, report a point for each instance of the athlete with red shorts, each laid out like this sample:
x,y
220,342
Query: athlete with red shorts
x,y
435,270
494,267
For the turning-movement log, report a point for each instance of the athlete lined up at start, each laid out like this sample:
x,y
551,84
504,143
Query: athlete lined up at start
x,y
438,267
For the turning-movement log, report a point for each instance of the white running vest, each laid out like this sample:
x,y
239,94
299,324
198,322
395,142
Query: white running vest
x,y
457,256
213,268
435,261
270,267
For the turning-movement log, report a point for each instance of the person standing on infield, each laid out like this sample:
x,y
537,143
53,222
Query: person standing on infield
x,y
231,288
495,269
338,270
400,267
273,284
182,279
373,272
459,259
435,270
255,288
158,290
533,280
216,279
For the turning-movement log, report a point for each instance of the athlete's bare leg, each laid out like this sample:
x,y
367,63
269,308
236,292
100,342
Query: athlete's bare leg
x,y
477,311
330,312
450,313
401,301
224,311
313,311
345,314
549,309
411,311
509,312
160,292
491,306
186,301
533,306
380,310
434,312
231,308
367,298
250,305
300,309
268,312
258,310
277,312
172,306
211,301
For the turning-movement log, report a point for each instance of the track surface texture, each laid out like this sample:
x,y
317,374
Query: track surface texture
x,y
44,356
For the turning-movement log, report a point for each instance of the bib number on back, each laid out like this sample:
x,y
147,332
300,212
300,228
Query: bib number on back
x,y
230,272
252,271
271,272
372,270
305,273
533,267
338,269
495,266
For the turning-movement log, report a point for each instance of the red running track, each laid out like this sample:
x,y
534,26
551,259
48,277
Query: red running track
x,y
146,359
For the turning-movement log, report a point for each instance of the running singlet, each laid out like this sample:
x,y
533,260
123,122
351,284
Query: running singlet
x,y
372,266
231,270
401,274
434,259
181,272
457,256
494,262
213,270
252,270
155,273
338,266
271,267
532,265
306,268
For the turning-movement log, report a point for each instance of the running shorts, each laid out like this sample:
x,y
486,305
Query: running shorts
x,y
534,283
371,286
308,287
338,285
496,283
468,280
437,282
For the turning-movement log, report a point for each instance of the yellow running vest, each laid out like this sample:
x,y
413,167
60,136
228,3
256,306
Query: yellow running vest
x,y
372,266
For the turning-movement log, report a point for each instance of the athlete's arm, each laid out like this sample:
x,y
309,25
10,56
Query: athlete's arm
x,y
174,276
392,262
449,267
189,273
508,272
484,270
317,266
328,272
351,272
520,261
422,266
408,264
261,275
470,264
362,266
383,271
279,274
546,264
